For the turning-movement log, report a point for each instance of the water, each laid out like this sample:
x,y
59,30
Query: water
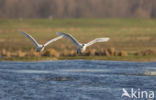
x,y
74,80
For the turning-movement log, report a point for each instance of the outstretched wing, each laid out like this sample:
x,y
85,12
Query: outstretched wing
x,y
97,40
53,40
30,37
70,37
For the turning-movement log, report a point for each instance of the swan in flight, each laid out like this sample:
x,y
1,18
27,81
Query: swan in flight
x,y
81,47
39,47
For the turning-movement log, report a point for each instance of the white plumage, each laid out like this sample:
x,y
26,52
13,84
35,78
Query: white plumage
x,y
81,47
39,47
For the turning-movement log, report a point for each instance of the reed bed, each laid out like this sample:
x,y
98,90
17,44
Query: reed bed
x,y
72,53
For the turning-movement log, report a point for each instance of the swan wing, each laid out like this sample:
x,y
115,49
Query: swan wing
x,y
97,40
70,37
53,40
30,38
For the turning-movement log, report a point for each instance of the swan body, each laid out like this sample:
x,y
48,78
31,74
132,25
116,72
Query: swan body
x,y
39,47
81,47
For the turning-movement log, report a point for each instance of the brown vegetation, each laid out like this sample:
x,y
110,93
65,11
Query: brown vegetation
x,y
106,53
3,52
70,53
20,53
90,52
51,53
146,52
123,53
111,51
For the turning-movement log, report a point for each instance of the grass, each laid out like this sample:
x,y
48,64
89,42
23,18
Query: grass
x,y
131,35
115,58
132,58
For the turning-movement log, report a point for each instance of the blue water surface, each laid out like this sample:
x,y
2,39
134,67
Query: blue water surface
x,y
74,79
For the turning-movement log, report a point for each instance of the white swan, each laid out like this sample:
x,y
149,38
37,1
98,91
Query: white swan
x,y
39,47
82,47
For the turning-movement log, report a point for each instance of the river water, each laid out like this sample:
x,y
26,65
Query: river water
x,y
76,80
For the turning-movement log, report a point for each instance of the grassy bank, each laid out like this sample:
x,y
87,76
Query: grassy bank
x,y
129,35
112,58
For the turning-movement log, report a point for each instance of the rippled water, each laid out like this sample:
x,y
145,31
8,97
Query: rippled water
x,y
74,80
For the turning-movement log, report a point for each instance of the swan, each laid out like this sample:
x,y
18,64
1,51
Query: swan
x,y
81,47
39,47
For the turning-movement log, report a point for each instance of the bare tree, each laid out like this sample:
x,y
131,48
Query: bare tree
x,y
77,8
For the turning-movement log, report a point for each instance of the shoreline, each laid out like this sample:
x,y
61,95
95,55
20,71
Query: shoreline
x,y
131,58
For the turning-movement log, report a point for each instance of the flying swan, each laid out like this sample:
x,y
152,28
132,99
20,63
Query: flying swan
x,y
81,47
39,47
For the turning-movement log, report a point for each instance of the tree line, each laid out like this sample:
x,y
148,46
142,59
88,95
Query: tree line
x,y
77,8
